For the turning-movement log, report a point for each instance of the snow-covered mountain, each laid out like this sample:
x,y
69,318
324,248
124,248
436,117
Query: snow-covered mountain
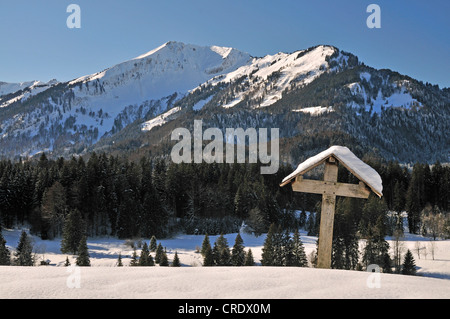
x,y
315,96
171,68
7,88
81,111
13,92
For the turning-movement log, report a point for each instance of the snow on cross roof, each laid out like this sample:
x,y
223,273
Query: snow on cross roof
x,y
357,167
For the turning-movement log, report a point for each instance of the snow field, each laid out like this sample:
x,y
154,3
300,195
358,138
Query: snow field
x,y
212,282
191,281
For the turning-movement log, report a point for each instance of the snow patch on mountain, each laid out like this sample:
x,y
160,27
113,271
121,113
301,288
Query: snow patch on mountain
x,y
399,98
316,110
160,120
272,75
200,104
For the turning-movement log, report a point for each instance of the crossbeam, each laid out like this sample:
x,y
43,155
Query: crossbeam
x,y
330,188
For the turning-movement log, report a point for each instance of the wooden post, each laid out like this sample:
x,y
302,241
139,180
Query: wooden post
x,y
327,217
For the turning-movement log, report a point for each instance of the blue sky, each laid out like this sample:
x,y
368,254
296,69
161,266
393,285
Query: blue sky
x,y
37,45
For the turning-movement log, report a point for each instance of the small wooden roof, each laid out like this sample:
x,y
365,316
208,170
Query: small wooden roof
x,y
361,170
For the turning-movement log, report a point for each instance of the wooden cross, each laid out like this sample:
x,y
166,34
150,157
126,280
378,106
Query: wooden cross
x,y
329,188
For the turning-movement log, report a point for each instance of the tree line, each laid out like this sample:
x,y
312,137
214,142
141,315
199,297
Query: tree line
x,y
107,195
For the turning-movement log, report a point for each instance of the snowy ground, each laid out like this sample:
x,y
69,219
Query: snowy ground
x,y
103,280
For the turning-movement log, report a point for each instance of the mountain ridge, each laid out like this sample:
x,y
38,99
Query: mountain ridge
x,y
224,86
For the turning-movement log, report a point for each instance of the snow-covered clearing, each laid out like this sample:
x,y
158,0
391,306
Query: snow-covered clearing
x,y
104,280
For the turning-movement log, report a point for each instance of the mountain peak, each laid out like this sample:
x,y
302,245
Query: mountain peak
x,y
176,47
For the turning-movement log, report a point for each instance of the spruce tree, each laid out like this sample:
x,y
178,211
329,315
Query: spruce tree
x,y
268,249
24,251
256,221
205,245
164,262
119,261
242,200
299,259
146,259
153,244
159,253
225,257
134,259
83,253
409,265
208,259
289,258
67,262
5,255
176,261
73,231
221,252
249,261
279,241
238,253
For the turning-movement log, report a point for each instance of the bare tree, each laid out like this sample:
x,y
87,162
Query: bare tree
x,y
432,246
397,248
417,248
433,222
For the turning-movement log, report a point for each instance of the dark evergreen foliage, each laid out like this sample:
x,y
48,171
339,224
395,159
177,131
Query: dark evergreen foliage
x,y
299,258
345,248
164,262
73,231
268,251
153,244
208,259
119,261
5,254
176,261
83,253
145,259
409,265
134,258
221,252
237,252
205,245
159,253
24,251
249,260
126,199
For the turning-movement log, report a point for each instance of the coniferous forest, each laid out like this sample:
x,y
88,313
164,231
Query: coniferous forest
x,y
111,196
